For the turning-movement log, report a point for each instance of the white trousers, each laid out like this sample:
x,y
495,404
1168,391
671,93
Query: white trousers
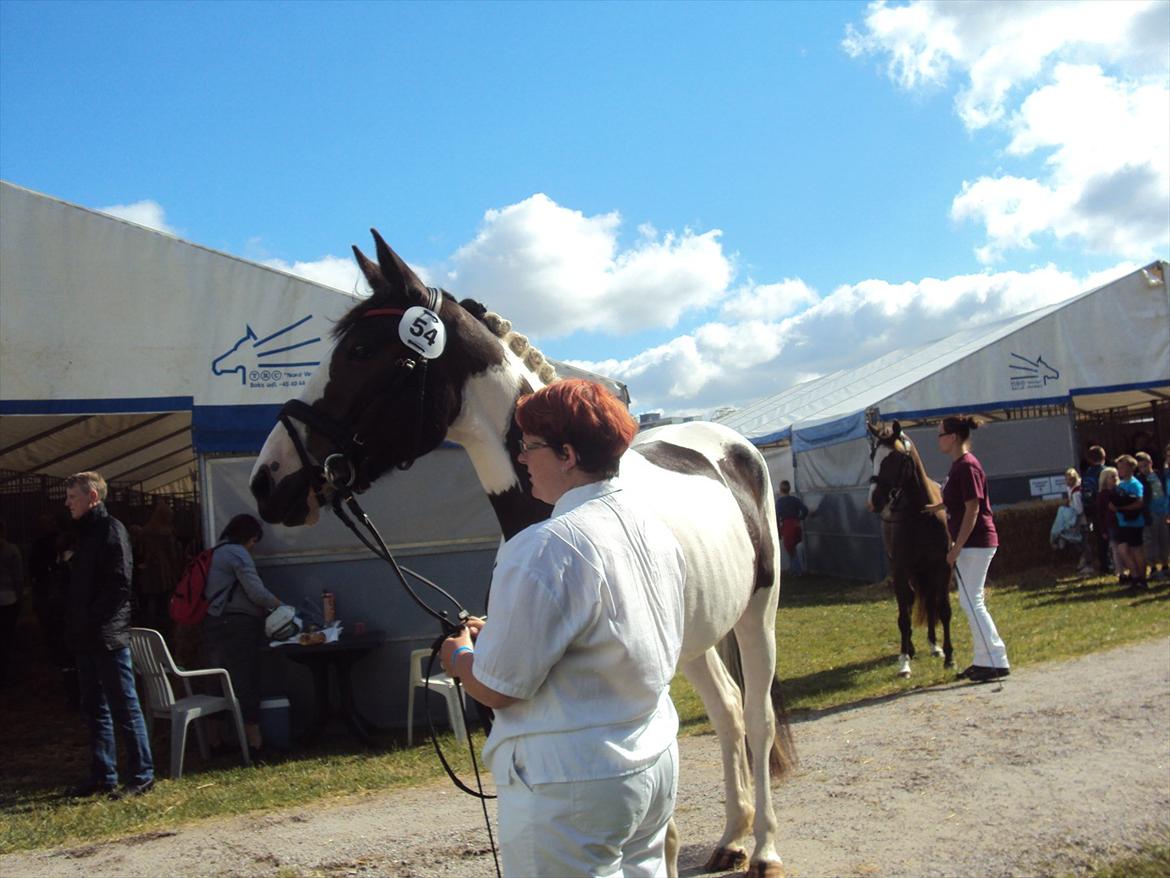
x,y
609,827
971,573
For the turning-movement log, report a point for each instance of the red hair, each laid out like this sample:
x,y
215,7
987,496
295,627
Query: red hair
x,y
582,414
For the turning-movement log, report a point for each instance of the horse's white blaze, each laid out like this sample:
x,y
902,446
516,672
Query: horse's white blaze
x,y
278,454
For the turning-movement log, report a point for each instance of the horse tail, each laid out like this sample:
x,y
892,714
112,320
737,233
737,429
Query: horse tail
x,y
925,604
782,760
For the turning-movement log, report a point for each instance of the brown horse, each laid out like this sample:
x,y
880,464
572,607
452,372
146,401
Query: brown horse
x,y
916,540
412,367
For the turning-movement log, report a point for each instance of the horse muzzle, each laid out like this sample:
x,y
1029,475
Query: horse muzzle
x,y
288,501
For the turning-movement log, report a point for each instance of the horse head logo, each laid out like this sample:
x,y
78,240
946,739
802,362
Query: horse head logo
x,y
1036,369
255,356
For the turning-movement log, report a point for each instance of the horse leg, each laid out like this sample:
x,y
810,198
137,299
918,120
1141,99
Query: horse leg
x,y
672,848
944,616
905,606
724,707
756,633
934,616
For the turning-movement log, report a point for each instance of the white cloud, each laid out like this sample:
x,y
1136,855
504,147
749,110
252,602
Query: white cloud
x,y
332,271
770,301
727,363
1082,85
555,271
145,213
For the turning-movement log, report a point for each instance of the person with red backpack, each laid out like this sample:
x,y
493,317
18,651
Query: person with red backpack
x,y
236,605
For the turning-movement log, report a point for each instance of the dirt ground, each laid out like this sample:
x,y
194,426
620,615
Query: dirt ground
x,y
1060,765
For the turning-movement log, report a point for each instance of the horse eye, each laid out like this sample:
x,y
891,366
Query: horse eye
x,y
360,352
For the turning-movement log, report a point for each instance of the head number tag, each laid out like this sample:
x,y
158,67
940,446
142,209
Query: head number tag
x,y
423,332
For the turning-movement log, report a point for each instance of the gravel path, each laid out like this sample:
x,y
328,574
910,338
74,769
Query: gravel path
x,y
1062,764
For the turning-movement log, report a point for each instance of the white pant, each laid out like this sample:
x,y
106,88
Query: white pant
x,y
608,827
971,573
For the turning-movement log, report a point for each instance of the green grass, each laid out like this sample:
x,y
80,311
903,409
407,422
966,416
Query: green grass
x,y
1152,860
837,644
837,641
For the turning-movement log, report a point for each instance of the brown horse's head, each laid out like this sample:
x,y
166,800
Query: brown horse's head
x,y
897,471
385,395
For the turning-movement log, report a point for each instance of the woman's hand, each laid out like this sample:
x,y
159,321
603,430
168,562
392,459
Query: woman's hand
x,y
474,625
953,554
462,637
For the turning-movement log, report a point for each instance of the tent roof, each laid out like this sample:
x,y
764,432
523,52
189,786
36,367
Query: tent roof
x,y
133,349
1056,354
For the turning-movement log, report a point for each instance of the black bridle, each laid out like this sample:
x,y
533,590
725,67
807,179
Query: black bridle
x,y
343,472
348,461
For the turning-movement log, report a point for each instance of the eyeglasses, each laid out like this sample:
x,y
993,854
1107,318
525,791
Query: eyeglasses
x,y
529,447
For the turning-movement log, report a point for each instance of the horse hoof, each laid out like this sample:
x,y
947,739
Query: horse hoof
x,y
949,664
936,651
727,860
766,869
903,665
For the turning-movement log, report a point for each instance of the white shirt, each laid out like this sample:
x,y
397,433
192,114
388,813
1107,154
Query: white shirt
x,y
585,627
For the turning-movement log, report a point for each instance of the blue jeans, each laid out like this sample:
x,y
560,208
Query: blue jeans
x,y
108,696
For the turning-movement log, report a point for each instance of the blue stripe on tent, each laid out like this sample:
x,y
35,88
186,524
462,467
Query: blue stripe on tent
x,y
772,438
237,429
831,433
232,428
1022,403
95,406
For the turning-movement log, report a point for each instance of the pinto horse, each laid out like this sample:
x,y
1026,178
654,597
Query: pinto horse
x,y
411,367
916,540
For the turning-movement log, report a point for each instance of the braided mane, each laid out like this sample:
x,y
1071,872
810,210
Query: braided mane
x,y
517,343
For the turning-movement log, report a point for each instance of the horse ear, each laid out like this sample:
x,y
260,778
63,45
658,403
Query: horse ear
x,y
396,273
369,269
896,430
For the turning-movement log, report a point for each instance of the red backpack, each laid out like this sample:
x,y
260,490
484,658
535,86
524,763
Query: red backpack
x,y
188,602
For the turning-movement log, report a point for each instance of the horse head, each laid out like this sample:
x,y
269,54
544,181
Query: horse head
x,y
387,393
892,464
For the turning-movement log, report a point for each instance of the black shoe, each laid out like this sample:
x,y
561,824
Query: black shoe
x,y
131,790
984,674
89,788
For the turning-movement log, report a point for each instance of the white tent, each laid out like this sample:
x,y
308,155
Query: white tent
x,y
1032,376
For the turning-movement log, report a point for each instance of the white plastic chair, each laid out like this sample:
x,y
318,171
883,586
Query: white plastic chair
x,y
153,662
441,684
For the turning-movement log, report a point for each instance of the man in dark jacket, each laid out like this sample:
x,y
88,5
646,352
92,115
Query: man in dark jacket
x,y
97,618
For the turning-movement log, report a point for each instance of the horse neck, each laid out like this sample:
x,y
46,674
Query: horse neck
x,y
486,428
919,490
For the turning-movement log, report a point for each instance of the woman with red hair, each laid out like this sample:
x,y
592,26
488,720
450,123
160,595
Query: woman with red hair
x,y
586,616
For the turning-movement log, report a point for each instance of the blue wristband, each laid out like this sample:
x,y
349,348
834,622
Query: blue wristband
x,y
459,650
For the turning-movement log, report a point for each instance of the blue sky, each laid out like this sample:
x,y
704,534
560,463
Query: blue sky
x,y
708,201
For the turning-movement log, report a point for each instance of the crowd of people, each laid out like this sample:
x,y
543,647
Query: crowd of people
x,y
1122,512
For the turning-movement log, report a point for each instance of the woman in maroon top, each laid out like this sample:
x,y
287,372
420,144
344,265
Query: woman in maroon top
x,y
973,544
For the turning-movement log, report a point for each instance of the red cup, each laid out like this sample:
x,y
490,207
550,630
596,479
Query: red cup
x,y
359,628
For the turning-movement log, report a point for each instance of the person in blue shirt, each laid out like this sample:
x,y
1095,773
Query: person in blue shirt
x,y
790,512
1156,540
1128,504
